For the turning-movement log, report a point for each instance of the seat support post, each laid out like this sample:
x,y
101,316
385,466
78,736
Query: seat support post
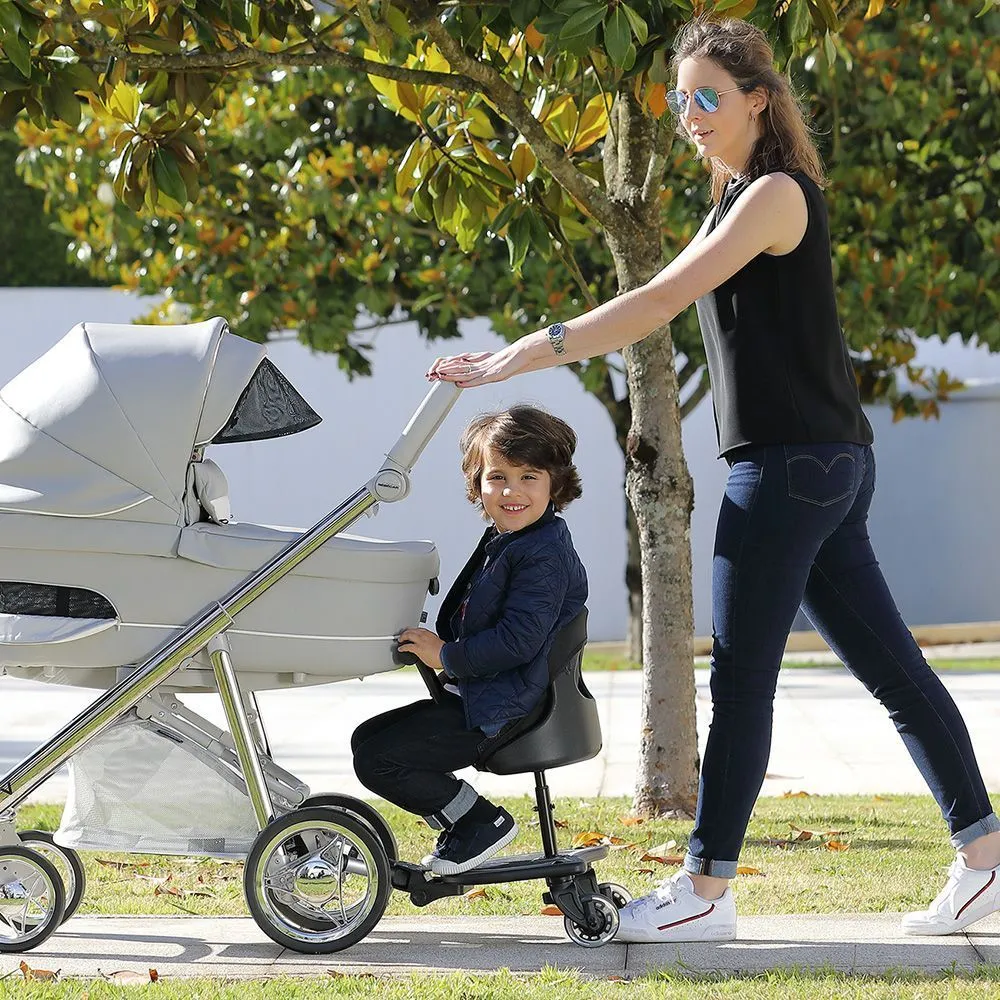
x,y
546,821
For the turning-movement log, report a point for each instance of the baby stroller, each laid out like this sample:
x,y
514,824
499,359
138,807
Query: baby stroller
x,y
124,571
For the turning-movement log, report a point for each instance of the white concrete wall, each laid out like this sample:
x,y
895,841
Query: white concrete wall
x,y
934,521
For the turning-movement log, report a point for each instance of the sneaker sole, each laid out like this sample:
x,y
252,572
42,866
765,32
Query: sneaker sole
x,y
945,928
439,867
727,934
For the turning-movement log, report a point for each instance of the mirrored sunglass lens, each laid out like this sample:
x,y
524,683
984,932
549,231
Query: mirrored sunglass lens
x,y
676,101
707,98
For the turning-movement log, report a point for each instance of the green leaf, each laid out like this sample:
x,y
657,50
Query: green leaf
x,y
582,22
636,23
10,17
617,36
16,48
503,217
523,12
825,7
168,176
518,241
64,101
10,105
830,49
800,22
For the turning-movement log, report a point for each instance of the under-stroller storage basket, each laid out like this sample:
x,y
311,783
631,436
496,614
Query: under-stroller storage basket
x,y
140,789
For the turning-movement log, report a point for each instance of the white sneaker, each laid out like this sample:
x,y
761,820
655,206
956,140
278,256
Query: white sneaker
x,y
673,911
968,896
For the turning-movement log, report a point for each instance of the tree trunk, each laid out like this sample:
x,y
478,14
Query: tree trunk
x,y
658,485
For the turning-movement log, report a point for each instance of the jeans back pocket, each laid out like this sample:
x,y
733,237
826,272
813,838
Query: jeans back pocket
x,y
821,474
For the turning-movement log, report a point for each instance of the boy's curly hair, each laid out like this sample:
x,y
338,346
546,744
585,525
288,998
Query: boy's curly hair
x,y
523,435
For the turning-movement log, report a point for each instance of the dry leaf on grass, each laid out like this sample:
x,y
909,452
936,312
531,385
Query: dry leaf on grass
x,y
38,975
643,871
551,911
745,870
131,976
667,859
477,893
796,795
590,838
631,820
802,834
836,845
335,974
561,824
880,798
121,865
623,845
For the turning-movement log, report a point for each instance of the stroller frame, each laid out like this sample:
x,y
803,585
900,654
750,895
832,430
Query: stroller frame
x,y
305,858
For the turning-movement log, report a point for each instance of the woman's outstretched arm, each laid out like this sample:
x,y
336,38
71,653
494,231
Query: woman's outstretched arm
x,y
771,216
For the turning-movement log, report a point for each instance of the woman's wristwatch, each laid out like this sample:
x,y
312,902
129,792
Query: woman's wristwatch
x,y
557,335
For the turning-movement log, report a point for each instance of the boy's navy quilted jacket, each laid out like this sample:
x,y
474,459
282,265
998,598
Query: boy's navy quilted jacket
x,y
519,589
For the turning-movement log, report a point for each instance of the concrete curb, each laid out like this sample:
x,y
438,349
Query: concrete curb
x,y
235,948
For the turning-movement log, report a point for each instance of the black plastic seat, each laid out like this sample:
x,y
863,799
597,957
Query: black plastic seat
x,y
564,728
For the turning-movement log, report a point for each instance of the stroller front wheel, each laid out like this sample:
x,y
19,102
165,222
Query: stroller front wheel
x,y
67,863
32,899
317,880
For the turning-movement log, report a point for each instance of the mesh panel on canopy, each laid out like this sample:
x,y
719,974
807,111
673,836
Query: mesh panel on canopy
x,y
269,407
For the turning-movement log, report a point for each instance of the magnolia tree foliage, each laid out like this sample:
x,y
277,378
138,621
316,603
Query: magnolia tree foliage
x,y
305,203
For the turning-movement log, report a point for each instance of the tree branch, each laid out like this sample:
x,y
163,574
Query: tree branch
x,y
657,161
246,57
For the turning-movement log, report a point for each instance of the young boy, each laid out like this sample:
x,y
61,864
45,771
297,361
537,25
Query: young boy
x,y
523,583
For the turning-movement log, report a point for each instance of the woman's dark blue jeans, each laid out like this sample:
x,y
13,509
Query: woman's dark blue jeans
x,y
793,530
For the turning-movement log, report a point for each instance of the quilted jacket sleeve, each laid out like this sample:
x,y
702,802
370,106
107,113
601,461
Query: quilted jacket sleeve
x,y
538,585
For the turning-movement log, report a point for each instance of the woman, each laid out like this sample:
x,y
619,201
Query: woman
x,y
792,530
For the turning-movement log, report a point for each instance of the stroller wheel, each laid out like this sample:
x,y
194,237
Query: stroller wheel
x,y
360,808
31,899
618,894
602,925
317,880
67,863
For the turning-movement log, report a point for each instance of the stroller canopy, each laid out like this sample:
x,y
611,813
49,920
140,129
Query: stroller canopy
x,y
104,424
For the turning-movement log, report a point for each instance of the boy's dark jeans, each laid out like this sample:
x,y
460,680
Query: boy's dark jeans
x,y
407,755
793,530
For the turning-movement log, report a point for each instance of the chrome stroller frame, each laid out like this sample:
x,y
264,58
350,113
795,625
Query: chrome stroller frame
x,y
318,876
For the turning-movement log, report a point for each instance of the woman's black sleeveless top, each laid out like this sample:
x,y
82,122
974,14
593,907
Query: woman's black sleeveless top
x,y
777,357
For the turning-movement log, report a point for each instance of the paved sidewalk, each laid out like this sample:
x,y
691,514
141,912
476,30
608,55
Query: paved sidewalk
x,y
235,948
830,735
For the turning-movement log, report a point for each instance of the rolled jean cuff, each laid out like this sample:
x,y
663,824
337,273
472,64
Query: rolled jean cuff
x,y
449,815
988,824
707,866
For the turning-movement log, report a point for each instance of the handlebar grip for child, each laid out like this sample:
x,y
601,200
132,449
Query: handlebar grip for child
x,y
423,424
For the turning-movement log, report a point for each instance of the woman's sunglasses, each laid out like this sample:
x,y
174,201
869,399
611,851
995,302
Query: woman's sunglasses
x,y
707,98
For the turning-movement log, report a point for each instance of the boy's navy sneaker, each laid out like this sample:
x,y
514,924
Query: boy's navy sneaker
x,y
425,861
470,843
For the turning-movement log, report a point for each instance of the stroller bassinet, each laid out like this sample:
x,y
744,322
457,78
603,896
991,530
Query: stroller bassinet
x,y
115,530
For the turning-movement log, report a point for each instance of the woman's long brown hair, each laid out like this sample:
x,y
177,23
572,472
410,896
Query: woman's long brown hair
x,y
743,51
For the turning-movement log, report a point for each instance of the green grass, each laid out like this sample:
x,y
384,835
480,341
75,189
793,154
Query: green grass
x,y
893,852
549,984
599,660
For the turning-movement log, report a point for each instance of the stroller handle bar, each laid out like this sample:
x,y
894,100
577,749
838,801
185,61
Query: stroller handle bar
x,y
429,416
392,483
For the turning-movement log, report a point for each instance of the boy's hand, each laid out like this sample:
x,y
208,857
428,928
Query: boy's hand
x,y
424,644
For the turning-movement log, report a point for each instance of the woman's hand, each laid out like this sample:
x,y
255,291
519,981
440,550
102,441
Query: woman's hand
x,y
469,370
424,644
